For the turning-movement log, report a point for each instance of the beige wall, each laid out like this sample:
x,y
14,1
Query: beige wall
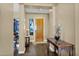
x,y
65,17
77,28
6,29
34,16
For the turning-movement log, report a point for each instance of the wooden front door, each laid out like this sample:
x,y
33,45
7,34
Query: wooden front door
x,y
39,30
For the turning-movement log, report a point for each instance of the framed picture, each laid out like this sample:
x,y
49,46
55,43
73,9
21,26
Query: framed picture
x,y
31,26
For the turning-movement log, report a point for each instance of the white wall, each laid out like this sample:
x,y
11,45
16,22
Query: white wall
x,y
34,16
52,22
22,30
6,29
19,13
65,17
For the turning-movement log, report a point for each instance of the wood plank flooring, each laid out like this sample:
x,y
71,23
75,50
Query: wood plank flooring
x,y
38,50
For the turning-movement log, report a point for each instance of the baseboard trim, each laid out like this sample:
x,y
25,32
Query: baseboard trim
x,y
39,42
21,52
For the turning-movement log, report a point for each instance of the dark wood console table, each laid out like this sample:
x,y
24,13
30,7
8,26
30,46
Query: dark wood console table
x,y
59,45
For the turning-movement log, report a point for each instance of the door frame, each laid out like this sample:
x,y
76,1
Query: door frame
x,y
43,31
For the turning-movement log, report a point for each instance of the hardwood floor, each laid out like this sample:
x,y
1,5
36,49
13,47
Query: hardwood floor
x,y
38,50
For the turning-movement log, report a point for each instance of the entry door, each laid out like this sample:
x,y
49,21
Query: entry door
x,y
39,30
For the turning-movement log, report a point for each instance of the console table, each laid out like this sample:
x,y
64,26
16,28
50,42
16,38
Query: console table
x,y
59,45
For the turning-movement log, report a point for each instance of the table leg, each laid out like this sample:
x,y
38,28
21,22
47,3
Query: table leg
x,y
48,48
72,50
29,41
59,52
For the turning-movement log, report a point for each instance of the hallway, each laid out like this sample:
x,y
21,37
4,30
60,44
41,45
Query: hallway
x,y
38,22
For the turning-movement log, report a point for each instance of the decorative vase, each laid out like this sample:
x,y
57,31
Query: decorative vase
x,y
57,38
